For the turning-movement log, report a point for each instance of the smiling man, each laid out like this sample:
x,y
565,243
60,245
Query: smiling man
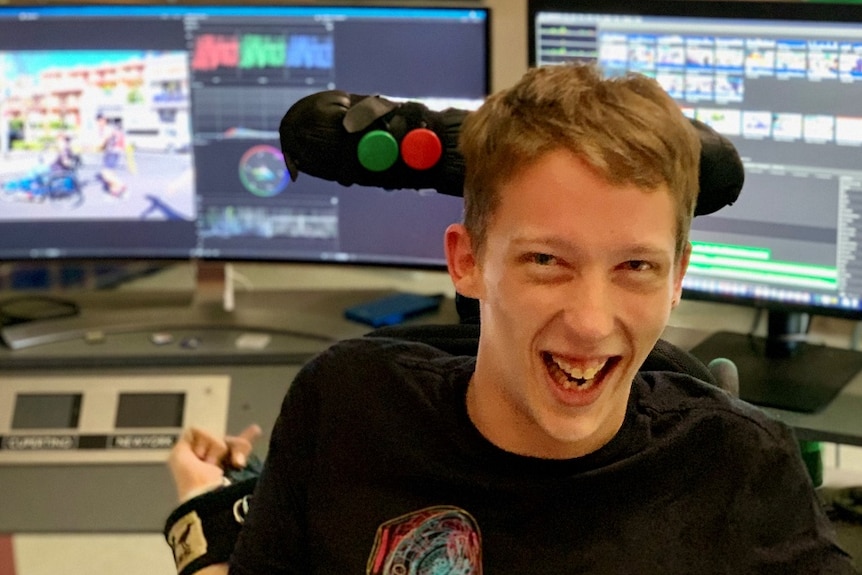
x,y
549,452
570,304
573,242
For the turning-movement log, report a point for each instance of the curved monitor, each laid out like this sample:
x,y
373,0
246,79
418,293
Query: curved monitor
x,y
782,81
151,131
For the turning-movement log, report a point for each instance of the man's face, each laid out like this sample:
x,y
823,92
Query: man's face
x,y
576,282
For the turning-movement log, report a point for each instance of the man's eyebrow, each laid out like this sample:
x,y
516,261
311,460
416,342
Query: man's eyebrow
x,y
539,239
631,251
645,251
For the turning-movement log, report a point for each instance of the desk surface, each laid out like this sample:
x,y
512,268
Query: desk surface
x,y
111,339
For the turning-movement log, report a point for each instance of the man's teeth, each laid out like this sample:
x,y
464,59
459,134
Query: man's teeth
x,y
583,375
579,372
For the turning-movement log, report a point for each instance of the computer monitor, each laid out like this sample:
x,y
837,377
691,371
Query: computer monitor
x,y
783,82
145,131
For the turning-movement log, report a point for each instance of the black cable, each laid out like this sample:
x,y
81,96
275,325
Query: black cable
x,y
27,308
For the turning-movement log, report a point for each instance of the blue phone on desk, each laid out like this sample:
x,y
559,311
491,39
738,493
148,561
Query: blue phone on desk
x,y
393,309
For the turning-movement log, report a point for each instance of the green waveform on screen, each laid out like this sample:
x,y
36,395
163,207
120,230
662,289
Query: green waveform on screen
x,y
756,264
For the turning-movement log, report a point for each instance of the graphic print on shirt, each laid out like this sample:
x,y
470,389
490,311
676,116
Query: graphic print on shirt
x,y
440,540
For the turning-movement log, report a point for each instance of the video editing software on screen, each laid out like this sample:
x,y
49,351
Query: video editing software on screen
x,y
152,132
787,94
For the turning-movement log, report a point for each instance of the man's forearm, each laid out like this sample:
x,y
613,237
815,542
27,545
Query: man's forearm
x,y
202,531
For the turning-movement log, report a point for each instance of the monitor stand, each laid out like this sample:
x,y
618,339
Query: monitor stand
x,y
214,285
782,370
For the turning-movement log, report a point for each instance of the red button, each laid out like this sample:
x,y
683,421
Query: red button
x,y
421,149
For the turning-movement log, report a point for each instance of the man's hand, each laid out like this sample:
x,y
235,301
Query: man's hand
x,y
199,459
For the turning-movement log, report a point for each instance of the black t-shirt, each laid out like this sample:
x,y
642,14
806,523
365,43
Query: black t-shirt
x,y
374,467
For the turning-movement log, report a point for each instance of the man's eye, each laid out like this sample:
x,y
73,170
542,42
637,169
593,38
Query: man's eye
x,y
638,265
542,259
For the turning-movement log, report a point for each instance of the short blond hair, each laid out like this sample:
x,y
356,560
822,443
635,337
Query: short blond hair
x,y
627,128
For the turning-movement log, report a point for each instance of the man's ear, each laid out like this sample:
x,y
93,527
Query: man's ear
x,y
461,261
679,273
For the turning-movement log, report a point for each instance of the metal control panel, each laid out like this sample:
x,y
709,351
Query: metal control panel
x,y
70,466
118,419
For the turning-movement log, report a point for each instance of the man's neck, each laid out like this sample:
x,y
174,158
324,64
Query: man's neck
x,y
511,430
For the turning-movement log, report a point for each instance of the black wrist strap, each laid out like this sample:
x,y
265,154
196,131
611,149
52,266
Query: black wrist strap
x,y
203,530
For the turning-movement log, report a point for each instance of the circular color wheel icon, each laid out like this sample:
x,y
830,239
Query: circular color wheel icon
x,y
262,171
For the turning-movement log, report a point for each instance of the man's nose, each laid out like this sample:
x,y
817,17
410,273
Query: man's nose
x,y
589,309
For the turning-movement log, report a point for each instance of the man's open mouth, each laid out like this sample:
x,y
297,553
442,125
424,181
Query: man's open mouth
x,y
581,376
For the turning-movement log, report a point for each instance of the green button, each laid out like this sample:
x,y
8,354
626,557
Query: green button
x,y
377,151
